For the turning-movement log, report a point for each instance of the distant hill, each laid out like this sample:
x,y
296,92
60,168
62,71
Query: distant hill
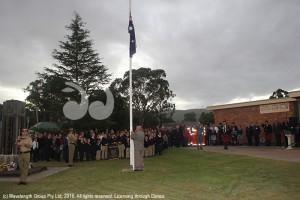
x,y
178,116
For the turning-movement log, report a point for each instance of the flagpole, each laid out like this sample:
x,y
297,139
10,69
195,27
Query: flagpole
x,y
130,115
130,104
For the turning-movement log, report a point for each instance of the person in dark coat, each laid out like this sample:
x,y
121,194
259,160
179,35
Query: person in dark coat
x,y
249,134
207,135
200,130
220,134
170,135
41,141
287,126
48,146
297,135
152,144
93,141
225,135
256,133
239,135
178,136
88,148
233,135
58,147
81,148
166,142
277,129
65,149
147,146
160,142
268,133
127,147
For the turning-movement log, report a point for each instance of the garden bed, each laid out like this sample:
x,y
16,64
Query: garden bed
x,y
17,172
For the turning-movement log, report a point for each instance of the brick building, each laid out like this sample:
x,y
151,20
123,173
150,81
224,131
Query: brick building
x,y
259,111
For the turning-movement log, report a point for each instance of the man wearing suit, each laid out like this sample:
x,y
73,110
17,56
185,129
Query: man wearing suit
x,y
277,131
256,133
200,129
138,138
249,134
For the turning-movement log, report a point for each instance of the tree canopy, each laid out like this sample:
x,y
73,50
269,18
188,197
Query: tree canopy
x,y
279,93
190,117
77,62
207,118
151,94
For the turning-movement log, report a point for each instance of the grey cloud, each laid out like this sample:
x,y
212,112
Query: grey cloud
x,y
212,51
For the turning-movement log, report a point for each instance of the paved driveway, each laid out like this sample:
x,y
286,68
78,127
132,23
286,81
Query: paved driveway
x,y
268,152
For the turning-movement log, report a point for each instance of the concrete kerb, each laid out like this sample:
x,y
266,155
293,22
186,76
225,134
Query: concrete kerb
x,y
36,176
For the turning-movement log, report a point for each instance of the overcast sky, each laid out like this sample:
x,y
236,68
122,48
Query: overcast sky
x,y
213,51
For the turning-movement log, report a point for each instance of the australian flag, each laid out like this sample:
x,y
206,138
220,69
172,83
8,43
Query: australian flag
x,y
132,48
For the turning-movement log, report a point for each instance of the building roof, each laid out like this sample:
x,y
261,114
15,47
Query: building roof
x,y
292,97
294,94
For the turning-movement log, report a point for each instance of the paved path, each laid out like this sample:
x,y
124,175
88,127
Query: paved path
x,y
268,152
36,176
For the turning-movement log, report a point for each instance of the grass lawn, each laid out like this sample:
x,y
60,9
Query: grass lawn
x,y
179,173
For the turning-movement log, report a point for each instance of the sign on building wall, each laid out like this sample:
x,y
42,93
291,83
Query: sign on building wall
x,y
273,108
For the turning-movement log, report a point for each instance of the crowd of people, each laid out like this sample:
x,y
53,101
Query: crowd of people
x,y
253,135
94,144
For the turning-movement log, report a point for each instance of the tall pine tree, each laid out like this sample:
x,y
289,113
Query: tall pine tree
x,y
76,61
